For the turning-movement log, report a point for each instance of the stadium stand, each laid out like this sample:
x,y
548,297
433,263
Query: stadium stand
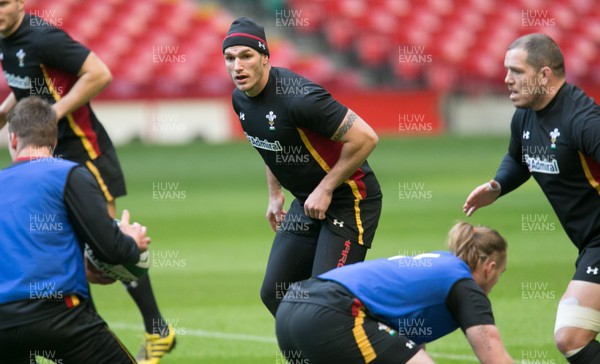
x,y
171,48
165,48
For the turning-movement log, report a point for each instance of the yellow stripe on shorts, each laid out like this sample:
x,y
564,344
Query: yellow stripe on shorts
x,y
364,345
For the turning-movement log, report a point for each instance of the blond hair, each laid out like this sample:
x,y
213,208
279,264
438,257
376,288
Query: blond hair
x,y
475,245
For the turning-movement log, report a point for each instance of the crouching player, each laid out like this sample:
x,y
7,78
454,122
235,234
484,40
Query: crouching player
x,y
49,208
383,310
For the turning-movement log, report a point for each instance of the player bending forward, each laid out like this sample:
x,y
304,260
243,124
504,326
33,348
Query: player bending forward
x,y
383,310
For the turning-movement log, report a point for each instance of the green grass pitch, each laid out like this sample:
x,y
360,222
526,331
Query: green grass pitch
x,y
204,206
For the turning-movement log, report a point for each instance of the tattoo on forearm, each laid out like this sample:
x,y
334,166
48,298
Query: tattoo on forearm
x,y
345,127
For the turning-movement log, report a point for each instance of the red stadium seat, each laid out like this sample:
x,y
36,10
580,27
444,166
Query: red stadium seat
x,y
340,33
465,40
373,49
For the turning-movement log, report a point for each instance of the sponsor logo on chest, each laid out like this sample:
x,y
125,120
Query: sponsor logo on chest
x,y
541,158
17,81
264,143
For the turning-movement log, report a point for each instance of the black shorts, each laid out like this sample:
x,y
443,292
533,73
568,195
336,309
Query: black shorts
x,y
320,322
93,149
352,220
106,169
75,335
303,248
587,267
355,220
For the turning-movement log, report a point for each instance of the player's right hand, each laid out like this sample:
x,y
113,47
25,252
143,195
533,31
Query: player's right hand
x,y
135,230
481,196
275,211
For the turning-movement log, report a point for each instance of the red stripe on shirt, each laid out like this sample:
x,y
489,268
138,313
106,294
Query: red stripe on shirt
x,y
330,152
594,171
62,83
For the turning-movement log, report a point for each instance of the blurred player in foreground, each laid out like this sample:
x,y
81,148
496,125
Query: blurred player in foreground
x,y
314,147
555,136
41,60
50,206
383,310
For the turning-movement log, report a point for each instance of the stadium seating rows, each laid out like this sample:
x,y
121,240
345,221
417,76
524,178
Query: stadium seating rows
x,y
452,43
164,48
171,48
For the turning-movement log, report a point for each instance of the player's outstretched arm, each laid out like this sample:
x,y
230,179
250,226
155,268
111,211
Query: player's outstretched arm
x,y
487,344
359,140
275,211
88,215
7,105
93,77
481,196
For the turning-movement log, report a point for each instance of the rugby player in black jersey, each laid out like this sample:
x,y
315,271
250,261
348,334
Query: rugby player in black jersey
x,y
555,137
315,148
41,60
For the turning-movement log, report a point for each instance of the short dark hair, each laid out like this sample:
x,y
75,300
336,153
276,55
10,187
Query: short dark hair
x,y
33,120
541,51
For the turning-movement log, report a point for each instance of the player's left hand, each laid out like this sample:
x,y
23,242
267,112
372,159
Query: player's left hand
x,y
481,196
317,203
94,275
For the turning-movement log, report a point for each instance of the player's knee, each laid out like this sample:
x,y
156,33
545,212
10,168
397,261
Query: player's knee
x,y
268,296
568,340
576,326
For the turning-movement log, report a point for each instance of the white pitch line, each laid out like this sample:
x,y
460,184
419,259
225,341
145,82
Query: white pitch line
x,y
204,333
462,358
263,339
